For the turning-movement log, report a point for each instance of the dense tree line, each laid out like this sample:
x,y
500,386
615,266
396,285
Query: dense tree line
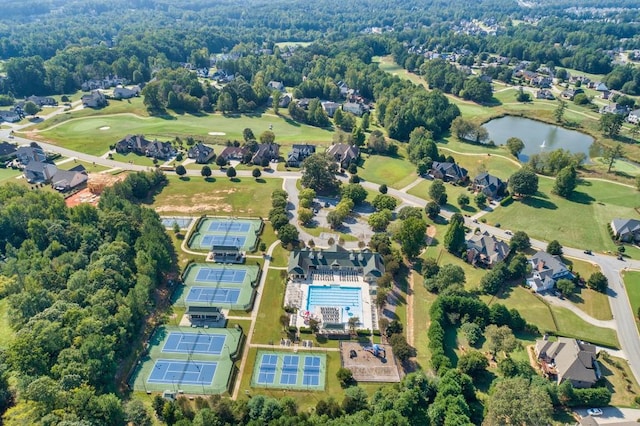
x,y
79,283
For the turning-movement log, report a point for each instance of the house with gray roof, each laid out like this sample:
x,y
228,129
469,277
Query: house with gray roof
x,y
626,230
568,360
299,153
634,116
491,186
95,99
266,153
448,172
7,151
486,250
276,85
65,180
330,107
343,154
29,153
303,263
126,93
201,153
546,270
39,172
355,108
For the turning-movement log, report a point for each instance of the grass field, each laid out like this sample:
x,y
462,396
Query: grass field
x,y
632,286
580,221
9,174
593,303
422,190
72,134
242,197
422,301
396,172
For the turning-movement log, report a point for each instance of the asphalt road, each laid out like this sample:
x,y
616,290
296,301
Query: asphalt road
x,y
611,267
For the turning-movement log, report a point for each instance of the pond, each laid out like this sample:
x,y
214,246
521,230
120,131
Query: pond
x,y
537,136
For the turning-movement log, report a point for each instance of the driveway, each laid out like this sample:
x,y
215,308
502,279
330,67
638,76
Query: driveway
x,y
613,415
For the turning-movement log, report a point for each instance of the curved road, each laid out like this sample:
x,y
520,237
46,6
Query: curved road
x,y
611,267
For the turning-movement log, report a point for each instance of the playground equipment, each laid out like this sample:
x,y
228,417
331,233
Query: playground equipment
x,y
377,351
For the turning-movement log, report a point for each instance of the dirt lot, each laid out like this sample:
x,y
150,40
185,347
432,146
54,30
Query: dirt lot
x,y
366,367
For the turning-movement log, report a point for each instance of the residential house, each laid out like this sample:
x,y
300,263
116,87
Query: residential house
x,y
29,153
344,154
95,99
42,101
486,250
201,153
330,107
614,108
137,144
545,94
266,153
546,269
303,103
126,93
354,108
304,263
284,101
7,152
10,116
569,360
39,172
344,89
571,93
160,150
448,172
276,85
233,153
489,185
601,87
65,180
626,230
634,116
298,153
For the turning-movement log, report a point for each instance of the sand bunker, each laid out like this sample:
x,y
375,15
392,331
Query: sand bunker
x,y
104,128
217,133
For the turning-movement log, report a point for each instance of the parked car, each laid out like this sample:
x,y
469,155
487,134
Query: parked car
x,y
588,252
594,412
508,232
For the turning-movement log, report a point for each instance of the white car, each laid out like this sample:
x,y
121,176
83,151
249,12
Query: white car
x,y
508,232
594,412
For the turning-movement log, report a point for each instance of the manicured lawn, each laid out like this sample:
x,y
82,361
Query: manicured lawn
x,y
140,160
9,174
528,304
396,172
571,325
494,164
579,222
317,230
422,301
73,134
422,190
7,335
244,197
632,285
620,381
593,303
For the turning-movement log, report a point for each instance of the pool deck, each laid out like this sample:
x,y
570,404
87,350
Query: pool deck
x,y
298,296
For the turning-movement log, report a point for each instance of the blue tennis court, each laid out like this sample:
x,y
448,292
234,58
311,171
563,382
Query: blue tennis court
x,y
289,375
213,295
183,372
267,373
223,240
229,227
217,275
311,371
194,343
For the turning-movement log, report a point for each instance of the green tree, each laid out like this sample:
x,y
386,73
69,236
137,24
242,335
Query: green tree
x,y
481,199
566,287
384,202
437,192
355,192
411,236
566,181
247,134
358,136
523,96
448,275
472,362
366,119
276,96
598,282
610,124
345,377
136,413
383,188
472,332
518,401
432,209
515,146
524,182
638,182
554,248
231,172
611,154
267,137
500,339
256,173
288,234
305,215
181,171
558,113
454,238
519,241
463,200
206,171
221,161
318,173
31,108
378,221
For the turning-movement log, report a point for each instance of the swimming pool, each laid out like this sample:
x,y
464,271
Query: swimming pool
x,y
348,299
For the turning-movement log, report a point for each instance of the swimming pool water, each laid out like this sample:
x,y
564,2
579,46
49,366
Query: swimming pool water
x,y
349,299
